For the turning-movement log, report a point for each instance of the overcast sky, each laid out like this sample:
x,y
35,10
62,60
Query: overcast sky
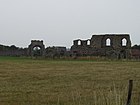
x,y
59,22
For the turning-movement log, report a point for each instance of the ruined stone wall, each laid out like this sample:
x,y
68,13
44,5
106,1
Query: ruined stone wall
x,y
81,47
52,52
110,45
99,41
36,43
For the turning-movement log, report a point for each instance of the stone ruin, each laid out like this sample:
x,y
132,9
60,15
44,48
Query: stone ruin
x,y
49,52
52,52
36,44
108,45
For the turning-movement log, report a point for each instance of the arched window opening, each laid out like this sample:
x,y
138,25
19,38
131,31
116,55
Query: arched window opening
x,y
36,51
124,42
108,42
79,42
88,42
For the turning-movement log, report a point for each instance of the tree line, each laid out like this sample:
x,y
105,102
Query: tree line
x,y
12,47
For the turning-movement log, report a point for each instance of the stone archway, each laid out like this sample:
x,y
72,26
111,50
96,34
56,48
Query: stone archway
x,y
36,43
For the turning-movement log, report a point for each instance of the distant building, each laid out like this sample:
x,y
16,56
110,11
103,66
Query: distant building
x,y
109,45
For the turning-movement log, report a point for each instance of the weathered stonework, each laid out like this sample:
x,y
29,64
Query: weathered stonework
x,y
36,43
54,51
109,45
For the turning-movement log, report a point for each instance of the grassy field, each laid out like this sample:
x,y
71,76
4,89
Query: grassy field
x,y
25,81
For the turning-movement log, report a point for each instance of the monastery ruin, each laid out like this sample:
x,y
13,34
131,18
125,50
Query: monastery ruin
x,y
116,46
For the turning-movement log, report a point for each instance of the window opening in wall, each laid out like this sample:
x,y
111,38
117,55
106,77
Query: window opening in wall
x,y
108,42
79,42
88,42
124,42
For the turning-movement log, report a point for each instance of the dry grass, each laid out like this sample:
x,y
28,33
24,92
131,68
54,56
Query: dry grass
x,y
61,82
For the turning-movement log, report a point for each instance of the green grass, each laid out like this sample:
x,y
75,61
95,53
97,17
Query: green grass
x,y
25,81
